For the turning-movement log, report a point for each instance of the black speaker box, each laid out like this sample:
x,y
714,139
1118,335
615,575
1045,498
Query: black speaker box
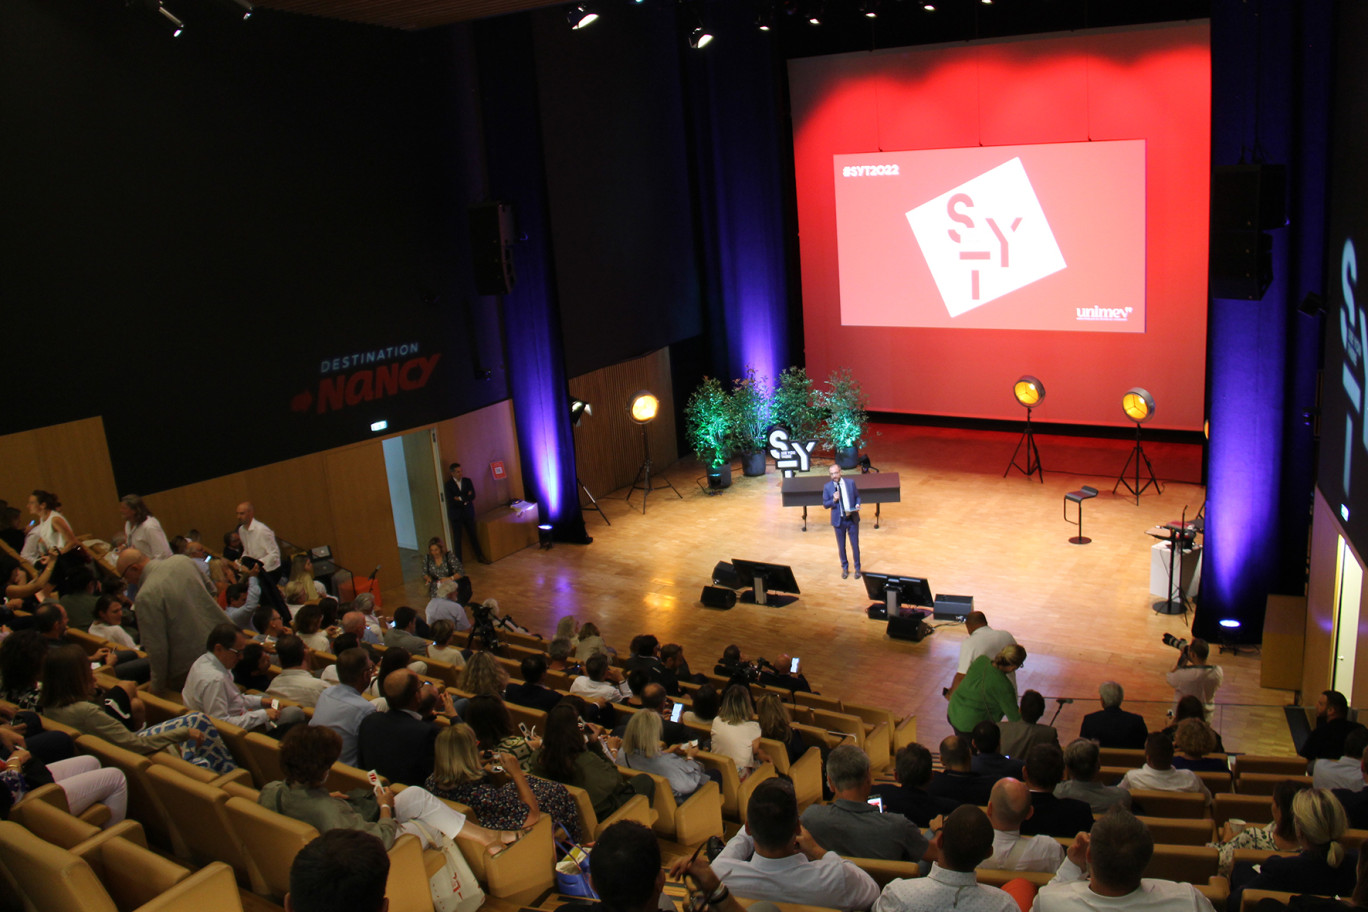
x,y
1248,197
911,626
1241,264
877,611
953,607
717,597
491,239
724,574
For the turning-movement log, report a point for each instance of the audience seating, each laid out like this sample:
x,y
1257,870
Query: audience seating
x,y
199,812
1124,757
143,803
736,791
1251,898
883,870
1277,766
1156,803
270,841
1255,809
638,808
1216,782
48,818
1264,783
49,877
1186,863
1181,831
96,815
690,823
132,874
210,889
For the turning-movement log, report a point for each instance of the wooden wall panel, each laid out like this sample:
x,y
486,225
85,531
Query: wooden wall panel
x,y
475,440
608,446
292,498
72,461
359,499
208,506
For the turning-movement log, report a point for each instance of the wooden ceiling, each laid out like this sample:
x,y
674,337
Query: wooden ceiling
x,y
404,14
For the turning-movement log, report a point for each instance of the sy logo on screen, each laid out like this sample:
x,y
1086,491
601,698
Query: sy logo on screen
x,y
986,238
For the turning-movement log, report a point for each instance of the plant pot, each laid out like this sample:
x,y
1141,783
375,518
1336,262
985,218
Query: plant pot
x,y
753,464
720,476
847,457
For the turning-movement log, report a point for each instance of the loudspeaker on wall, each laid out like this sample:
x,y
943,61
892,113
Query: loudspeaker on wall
x,y
491,240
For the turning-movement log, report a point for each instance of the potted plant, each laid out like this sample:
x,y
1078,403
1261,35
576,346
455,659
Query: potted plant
x,y
845,421
711,430
750,404
794,406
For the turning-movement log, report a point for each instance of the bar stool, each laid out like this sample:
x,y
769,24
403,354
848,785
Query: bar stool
x,y
1078,497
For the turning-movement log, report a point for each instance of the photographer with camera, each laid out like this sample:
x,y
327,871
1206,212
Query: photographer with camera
x,y
1191,675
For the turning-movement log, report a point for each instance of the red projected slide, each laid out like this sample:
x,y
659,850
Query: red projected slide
x,y
1047,236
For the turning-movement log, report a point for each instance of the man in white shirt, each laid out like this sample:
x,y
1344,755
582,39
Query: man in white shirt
x,y
1158,772
964,841
774,858
1344,773
1008,805
258,541
594,685
1191,675
1103,871
295,681
982,640
209,686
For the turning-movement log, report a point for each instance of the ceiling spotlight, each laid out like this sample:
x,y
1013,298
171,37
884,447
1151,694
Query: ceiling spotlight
x,y
870,8
644,407
177,27
764,17
1138,405
245,6
579,16
578,409
815,13
929,7
700,38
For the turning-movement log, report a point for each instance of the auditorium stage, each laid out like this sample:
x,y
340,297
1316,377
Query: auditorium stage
x,y
1082,612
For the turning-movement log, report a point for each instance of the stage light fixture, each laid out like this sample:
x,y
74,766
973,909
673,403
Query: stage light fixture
x,y
764,17
1138,405
578,409
544,536
815,13
1028,392
246,7
644,407
929,7
579,16
870,8
700,38
177,27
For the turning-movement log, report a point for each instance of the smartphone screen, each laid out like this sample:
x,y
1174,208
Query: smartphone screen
x,y
793,666
676,712
877,802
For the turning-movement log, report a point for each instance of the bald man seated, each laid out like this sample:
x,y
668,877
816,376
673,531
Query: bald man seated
x,y
398,743
1008,806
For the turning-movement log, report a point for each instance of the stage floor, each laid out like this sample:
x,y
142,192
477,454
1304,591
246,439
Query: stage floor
x,y
1083,612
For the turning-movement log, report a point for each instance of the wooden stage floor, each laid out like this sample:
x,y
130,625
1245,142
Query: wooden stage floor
x,y
1082,612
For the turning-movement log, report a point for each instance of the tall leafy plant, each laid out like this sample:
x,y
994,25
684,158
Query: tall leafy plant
x,y
842,401
750,404
794,405
709,424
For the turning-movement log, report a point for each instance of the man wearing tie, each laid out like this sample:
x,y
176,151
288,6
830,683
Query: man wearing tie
x,y
842,498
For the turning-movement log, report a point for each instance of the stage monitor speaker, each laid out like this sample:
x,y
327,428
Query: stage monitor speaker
x,y
491,240
953,607
1241,264
910,626
724,574
717,597
1248,197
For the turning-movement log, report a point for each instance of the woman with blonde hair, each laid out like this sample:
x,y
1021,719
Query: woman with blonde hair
x,y
569,628
1323,867
987,694
641,750
484,675
301,572
1278,836
590,642
1193,739
461,774
734,733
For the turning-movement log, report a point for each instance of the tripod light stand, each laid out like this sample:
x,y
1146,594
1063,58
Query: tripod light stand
x,y
1028,392
643,409
1138,405
578,409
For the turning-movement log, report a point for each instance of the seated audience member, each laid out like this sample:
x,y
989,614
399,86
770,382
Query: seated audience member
x,y
1193,740
236,606
852,826
1104,870
734,733
567,628
81,779
1008,807
358,623
1323,868
1347,772
560,657
71,697
654,700
402,633
22,655
515,804
340,870
441,649
1280,835
209,686
108,623
253,670
625,871
268,625
1326,741
962,845
642,750
958,781
1113,726
595,685
444,607
988,761
1355,803
644,650
776,725
774,858
1191,707
637,680
1019,737
342,707
912,768
295,681
1083,763
532,692
308,626
1052,816
1158,771
590,642
390,660
567,756
398,743
675,668
82,591
489,718
706,703
483,675
307,752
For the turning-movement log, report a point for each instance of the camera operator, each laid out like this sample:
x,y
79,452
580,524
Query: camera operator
x,y
1192,676
760,671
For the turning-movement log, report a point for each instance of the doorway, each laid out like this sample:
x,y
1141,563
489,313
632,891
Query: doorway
x,y
413,470
1348,592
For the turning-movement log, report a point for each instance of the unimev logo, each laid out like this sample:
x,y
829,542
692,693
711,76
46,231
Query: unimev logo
x,y
1103,314
986,238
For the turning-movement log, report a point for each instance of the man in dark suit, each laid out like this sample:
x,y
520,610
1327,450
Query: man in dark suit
x,y
398,744
909,797
1051,816
1332,725
988,758
532,692
958,781
460,500
1113,726
842,498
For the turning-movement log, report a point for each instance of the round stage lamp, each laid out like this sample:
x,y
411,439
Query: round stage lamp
x,y
1138,405
644,407
1028,391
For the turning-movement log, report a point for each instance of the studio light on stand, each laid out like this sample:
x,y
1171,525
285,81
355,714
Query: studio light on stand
x,y
643,408
1029,392
579,16
1138,406
578,410
544,536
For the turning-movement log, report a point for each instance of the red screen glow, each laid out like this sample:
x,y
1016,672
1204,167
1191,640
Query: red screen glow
x,y
1055,184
